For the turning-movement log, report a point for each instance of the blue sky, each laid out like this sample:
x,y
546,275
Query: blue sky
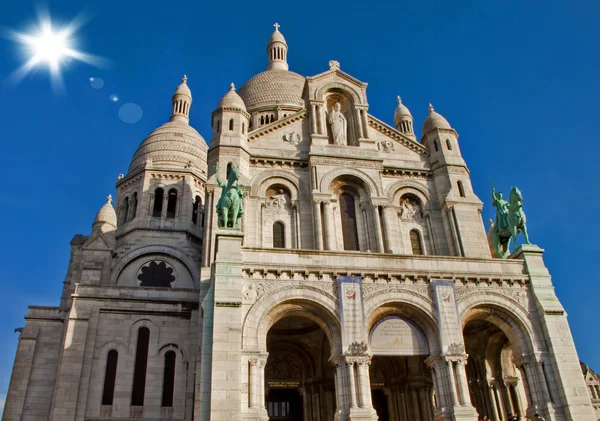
x,y
518,81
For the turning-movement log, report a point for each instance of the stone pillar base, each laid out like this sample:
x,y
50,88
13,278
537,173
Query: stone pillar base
x,y
255,415
463,413
362,414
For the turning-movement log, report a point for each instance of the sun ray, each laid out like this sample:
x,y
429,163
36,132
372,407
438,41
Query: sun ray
x,y
51,46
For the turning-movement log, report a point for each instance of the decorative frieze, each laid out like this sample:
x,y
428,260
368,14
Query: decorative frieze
x,y
346,163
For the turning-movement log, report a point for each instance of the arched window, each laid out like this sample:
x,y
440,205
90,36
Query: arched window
x,y
262,119
272,118
125,210
229,165
349,226
168,379
140,366
415,242
279,234
196,210
231,124
110,376
134,203
461,189
448,144
172,203
158,202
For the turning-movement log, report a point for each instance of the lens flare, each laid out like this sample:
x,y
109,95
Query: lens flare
x,y
52,46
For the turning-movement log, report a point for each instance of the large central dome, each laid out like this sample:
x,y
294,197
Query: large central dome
x,y
273,88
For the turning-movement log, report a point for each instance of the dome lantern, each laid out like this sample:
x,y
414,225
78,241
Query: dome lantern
x,y
277,50
106,218
182,101
403,119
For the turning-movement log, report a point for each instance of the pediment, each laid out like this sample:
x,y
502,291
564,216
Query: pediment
x,y
335,78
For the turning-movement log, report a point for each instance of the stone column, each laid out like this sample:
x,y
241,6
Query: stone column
x,y
207,231
320,120
340,389
452,384
364,383
415,404
163,213
253,384
366,228
351,383
365,124
329,226
318,225
463,385
378,233
313,118
389,227
297,225
359,124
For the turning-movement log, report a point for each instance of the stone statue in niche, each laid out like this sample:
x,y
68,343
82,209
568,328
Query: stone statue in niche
x,y
410,210
339,125
277,202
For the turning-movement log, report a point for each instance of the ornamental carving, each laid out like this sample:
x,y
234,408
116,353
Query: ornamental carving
x,y
358,349
277,203
423,292
518,296
410,210
292,137
254,291
386,146
283,367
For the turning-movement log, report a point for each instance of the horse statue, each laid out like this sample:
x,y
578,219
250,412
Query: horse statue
x,y
510,222
230,207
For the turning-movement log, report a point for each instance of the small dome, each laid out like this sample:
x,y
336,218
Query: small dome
x,y
232,100
433,121
401,113
272,88
106,214
183,89
173,145
277,36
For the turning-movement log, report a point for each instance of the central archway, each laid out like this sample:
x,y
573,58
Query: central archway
x,y
299,379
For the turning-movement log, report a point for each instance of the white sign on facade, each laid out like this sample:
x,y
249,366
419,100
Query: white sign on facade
x,y
447,315
352,314
395,335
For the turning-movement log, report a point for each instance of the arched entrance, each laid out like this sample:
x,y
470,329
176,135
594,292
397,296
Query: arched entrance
x,y
401,384
498,389
299,379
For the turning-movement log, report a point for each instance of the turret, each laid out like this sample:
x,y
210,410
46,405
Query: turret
x,y
461,208
277,51
182,101
403,120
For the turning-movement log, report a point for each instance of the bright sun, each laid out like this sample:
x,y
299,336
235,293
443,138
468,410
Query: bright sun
x,y
50,46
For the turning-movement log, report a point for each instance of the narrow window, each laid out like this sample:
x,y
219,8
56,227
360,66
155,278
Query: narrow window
x,y
125,210
448,144
141,364
243,128
262,119
231,124
229,164
172,203
218,126
461,189
134,203
272,118
196,210
415,242
436,145
349,226
158,202
110,376
279,235
169,379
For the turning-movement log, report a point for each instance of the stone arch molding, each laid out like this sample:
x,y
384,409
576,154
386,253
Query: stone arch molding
x,y
328,178
417,309
315,305
320,92
505,313
394,191
189,263
172,347
259,185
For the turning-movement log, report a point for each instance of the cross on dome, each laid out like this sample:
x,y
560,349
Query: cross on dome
x,y
399,100
184,79
431,107
276,25
232,87
109,199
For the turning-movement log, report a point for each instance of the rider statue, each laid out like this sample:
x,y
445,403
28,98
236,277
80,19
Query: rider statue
x,y
510,221
230,205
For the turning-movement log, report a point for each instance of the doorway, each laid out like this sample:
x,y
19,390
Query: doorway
x,y
285,405
380,403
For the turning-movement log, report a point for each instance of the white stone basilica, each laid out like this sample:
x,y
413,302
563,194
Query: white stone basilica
x,y
360,286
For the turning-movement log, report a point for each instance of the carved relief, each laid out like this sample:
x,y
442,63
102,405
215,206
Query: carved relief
x,y
410,209
254,291
423,292
292,137
386,146
277,203
283,367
